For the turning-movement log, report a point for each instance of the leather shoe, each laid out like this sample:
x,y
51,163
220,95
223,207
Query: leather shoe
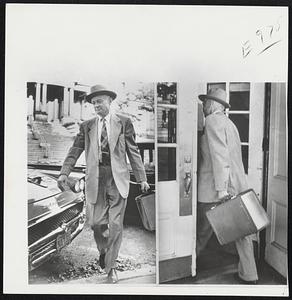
x,y
241,281
102,260
112,276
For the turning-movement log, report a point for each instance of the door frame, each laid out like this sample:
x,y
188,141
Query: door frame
x,y
271,246
265,147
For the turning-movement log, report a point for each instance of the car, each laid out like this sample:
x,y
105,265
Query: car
x,y
55,217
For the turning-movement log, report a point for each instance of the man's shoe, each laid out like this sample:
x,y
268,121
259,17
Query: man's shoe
x,y
112,276
241,281
102,260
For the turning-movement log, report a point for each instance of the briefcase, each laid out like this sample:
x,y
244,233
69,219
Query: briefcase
x,y
146,208
238,217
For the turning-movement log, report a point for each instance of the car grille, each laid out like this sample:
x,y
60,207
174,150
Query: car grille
x,y
42,229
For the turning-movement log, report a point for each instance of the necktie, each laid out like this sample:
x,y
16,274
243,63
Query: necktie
x,y
104,145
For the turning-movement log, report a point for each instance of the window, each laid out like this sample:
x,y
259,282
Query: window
x,y
241,121
166,93
216,85
239,94
166,164
166,130
166,125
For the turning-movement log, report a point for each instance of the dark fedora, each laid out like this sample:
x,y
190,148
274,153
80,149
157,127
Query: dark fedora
x,y
100,90
216,94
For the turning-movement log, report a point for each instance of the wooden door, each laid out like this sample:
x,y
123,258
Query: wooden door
x,y
277,203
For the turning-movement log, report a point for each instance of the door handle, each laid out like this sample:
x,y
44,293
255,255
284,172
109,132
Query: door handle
x,y
187,183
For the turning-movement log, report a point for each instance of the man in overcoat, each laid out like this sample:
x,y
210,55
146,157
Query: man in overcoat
x,y
221,173
107,140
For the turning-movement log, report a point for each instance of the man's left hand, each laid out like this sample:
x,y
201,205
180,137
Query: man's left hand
x,y
144,186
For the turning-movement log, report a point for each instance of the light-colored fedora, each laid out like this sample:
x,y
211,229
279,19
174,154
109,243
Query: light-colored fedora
x,y
99,90
216,94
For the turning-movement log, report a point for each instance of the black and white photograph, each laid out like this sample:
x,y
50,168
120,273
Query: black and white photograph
x,y
230,139
90,172
146,149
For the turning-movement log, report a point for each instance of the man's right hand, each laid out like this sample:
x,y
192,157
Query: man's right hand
x,y
63,182
222,194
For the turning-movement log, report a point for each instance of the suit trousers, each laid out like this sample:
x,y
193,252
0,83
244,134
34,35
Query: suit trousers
x,y
246,267
106,217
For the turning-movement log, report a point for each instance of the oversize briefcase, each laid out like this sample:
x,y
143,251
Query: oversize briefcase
x,y
146,208
238,217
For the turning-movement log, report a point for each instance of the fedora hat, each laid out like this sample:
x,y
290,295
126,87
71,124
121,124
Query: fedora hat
x,y
216,94
99,90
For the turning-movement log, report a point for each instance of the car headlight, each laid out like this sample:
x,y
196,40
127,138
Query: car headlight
x,y
79,186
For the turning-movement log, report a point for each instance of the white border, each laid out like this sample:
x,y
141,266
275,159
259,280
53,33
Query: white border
x,y
89,43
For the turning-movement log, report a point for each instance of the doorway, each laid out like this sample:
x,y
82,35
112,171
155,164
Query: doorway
x,y
259,112
249,112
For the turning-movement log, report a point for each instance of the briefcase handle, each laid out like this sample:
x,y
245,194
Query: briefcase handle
x,y
223,200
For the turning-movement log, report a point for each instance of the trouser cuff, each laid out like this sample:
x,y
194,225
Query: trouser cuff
x,y
248,277
107,269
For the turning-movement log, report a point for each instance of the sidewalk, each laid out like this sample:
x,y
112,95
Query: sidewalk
x,y
145,275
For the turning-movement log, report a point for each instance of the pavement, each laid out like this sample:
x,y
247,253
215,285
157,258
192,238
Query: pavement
x,y
145,275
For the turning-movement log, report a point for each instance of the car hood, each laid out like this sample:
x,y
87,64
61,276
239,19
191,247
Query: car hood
x,y
44,196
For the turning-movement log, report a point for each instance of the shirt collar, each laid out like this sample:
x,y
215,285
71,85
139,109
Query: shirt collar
x,y
107,118
216,112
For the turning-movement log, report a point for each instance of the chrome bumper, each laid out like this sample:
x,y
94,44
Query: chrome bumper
x,y
44,248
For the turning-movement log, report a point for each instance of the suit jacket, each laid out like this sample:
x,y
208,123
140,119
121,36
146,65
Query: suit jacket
x,y
221,166
121,143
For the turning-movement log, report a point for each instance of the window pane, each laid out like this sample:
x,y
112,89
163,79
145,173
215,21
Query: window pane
x,y
239,101
221,85
244,152
239,96
166,164
166,92
242,123
166,125
239,87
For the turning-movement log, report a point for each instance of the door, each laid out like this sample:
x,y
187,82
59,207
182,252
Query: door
x,y
176,157
277,202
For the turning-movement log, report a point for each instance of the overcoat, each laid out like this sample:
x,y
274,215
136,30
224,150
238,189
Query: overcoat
x,y
121,143
221,166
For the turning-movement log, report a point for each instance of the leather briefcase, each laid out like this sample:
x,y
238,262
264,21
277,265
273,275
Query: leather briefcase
x,y
146,208
238,217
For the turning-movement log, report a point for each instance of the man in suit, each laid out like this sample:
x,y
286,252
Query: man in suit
x,y
221,173
106,139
